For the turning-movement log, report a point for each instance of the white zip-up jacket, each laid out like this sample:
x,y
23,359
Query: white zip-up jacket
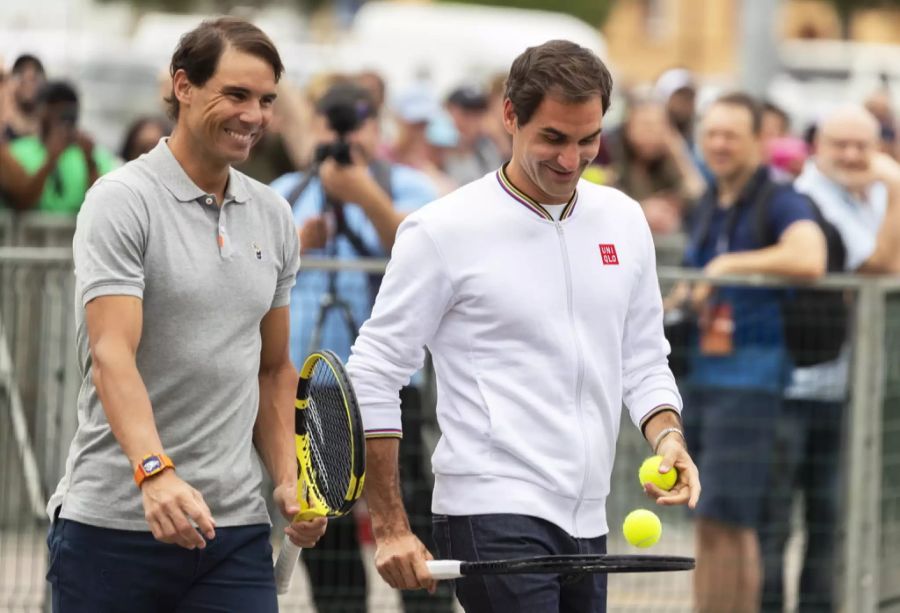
x,y
538,330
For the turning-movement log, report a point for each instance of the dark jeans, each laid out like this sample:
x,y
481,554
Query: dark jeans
x,y
496,537
100,570
335,566
807,459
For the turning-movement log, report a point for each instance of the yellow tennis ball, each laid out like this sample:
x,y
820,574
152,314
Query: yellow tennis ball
x,y
642,528
594,174
649,472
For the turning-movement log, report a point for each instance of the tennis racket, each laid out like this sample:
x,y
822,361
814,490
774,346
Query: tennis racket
x,y
331,450
562,565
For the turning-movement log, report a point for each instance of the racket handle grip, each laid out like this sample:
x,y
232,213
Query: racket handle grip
x,y
444,569
284,565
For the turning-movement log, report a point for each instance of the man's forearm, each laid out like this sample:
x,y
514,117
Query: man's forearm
x,y
801,255
125,402
886,257
383,488
273,432
659,423
24,190
385,218
93,173
693,184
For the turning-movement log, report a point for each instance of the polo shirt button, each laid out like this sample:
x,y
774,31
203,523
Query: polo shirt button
x,y
209,201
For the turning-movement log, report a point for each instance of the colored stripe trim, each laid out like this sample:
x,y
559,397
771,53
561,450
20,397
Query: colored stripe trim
x,y
656,411
533,205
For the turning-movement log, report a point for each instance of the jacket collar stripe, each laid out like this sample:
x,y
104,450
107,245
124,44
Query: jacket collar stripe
x,y
534,206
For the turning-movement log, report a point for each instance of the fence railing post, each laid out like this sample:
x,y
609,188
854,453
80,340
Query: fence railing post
x,y
863,522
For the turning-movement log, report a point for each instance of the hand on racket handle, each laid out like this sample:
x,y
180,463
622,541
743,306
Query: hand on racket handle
x,y
402,560
301,533
304,530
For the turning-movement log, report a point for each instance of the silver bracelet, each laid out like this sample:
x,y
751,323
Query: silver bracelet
x,y
662,435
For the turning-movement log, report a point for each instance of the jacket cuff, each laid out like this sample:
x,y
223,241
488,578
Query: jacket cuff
x,y
654,402
382,421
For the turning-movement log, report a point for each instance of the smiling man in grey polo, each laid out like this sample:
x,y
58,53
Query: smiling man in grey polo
x,y
183,269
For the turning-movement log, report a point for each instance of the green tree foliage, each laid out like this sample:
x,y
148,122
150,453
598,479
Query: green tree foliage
x,y
594,12
218,6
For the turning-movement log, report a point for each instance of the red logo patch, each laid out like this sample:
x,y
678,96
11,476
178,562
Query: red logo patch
x,y
608,253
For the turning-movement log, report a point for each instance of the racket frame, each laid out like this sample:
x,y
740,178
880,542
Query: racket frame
x,y
312,502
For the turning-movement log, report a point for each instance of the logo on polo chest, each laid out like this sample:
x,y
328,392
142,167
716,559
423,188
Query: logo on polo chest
x,y
608,254
256,250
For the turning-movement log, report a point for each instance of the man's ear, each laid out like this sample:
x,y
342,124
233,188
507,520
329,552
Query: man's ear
x,y
182,87
509,117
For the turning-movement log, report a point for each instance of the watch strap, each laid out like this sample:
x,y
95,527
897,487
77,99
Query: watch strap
x,y
141,474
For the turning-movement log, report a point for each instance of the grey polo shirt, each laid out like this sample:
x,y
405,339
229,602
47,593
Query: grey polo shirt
x,y
207,275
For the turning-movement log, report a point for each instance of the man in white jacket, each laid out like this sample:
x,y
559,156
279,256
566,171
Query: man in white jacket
x,y
537,295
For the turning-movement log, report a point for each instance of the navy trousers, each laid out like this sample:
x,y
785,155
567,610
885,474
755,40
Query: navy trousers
x,y
100,570
495,537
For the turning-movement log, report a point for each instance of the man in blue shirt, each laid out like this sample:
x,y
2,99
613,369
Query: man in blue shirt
x,y
739,364
351,211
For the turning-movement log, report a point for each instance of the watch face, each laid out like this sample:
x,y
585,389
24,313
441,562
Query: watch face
x,y
150,464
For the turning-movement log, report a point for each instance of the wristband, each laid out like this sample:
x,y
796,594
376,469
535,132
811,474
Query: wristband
x,y
663,434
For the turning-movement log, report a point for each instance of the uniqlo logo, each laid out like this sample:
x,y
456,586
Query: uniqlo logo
x,y
608,253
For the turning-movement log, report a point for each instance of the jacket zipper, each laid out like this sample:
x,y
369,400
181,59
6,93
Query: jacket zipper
x,y
579,382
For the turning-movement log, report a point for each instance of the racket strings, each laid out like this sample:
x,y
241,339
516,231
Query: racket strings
x,y
327,420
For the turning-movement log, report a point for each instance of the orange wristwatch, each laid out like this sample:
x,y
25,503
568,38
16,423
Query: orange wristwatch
x,y
150,465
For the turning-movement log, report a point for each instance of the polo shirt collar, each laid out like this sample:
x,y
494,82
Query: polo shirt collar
x,y
237,187
163,163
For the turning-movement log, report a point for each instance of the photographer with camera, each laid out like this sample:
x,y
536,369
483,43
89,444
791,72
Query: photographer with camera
x,y
78,161
348,206
18,189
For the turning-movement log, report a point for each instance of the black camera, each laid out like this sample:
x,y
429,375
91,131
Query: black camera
x,y
345,106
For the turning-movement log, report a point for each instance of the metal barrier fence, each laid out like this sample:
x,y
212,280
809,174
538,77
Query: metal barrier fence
x,y
38,385
39,381
7,220
35,229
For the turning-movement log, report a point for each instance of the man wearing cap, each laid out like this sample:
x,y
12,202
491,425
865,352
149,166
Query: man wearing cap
x,y
678,91
475,154
413,109
349,212
425,135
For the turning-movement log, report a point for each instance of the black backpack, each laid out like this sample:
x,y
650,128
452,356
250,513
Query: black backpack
x,y
815,320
